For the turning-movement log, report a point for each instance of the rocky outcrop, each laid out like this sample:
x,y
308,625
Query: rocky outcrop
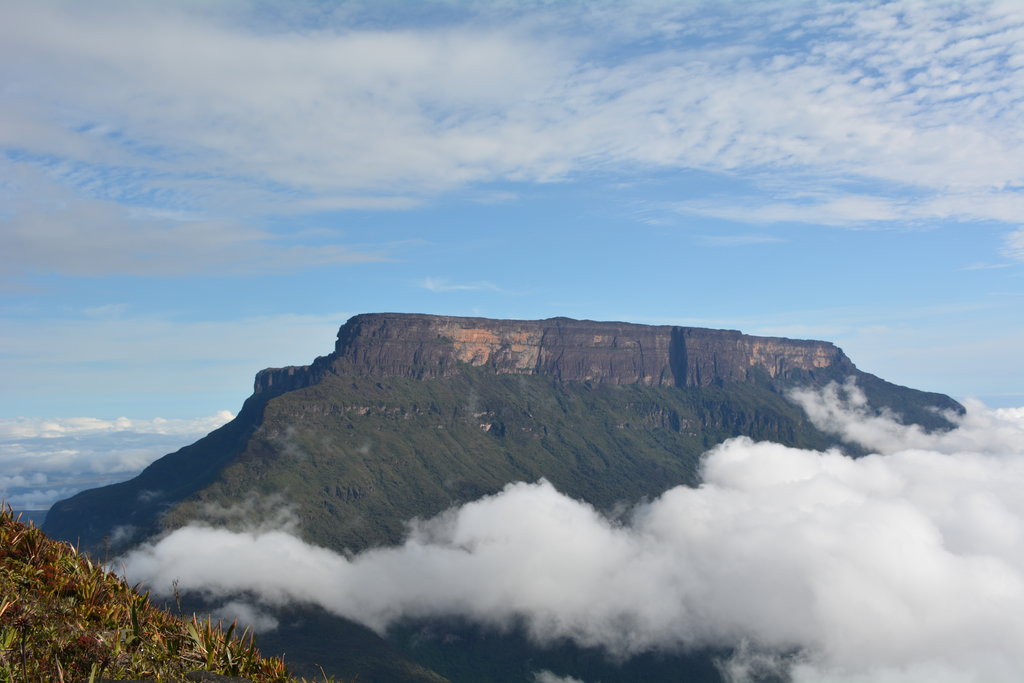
x,y
410,414
428,346
276,381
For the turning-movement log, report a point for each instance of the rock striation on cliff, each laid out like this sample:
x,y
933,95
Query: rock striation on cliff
x,y
412,413
429,346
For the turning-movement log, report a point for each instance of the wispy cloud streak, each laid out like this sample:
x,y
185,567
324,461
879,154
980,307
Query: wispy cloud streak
x,y
441,285
920,95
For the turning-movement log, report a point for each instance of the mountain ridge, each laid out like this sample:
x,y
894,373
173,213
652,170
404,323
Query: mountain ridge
x,y
425,346
412,413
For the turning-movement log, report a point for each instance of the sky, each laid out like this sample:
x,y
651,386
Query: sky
x,y
191,191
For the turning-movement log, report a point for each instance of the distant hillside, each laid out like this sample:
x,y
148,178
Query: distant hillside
x,y
414,413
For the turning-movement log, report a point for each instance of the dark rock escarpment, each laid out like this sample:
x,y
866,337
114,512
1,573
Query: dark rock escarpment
x,y
427,346
411,414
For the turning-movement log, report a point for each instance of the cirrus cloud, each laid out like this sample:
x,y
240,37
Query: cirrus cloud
x,y
919,95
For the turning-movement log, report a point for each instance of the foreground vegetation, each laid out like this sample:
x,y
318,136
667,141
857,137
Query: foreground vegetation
x,y
64,618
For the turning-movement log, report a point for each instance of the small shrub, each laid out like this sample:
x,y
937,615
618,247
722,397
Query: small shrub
x,y
63,618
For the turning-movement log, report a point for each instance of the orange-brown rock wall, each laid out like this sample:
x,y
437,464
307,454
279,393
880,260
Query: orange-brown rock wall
x,y
414,345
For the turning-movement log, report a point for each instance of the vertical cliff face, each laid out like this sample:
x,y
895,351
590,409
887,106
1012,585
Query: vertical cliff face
x,y
424,346
716,356
410,414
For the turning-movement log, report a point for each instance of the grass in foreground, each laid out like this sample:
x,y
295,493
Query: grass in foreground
x,y
64,618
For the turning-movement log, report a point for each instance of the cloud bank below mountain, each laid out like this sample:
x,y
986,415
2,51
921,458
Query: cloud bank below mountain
x,y
904,565
45,459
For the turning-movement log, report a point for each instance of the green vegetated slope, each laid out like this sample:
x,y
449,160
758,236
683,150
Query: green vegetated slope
x,y
316,642
465,652
110,519
65,618
357,458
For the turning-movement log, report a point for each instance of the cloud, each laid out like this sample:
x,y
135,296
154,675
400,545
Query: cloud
x,y
440,285
844,411
1011,414
888,567
843,210
892,208
546,676
49,227
182,139
46,459
49,428
354,109
247,616
1013,247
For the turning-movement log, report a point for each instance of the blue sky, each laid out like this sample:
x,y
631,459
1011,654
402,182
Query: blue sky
x,y
190,192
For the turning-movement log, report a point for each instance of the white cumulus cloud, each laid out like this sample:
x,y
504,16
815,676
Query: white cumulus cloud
x,y
888,567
